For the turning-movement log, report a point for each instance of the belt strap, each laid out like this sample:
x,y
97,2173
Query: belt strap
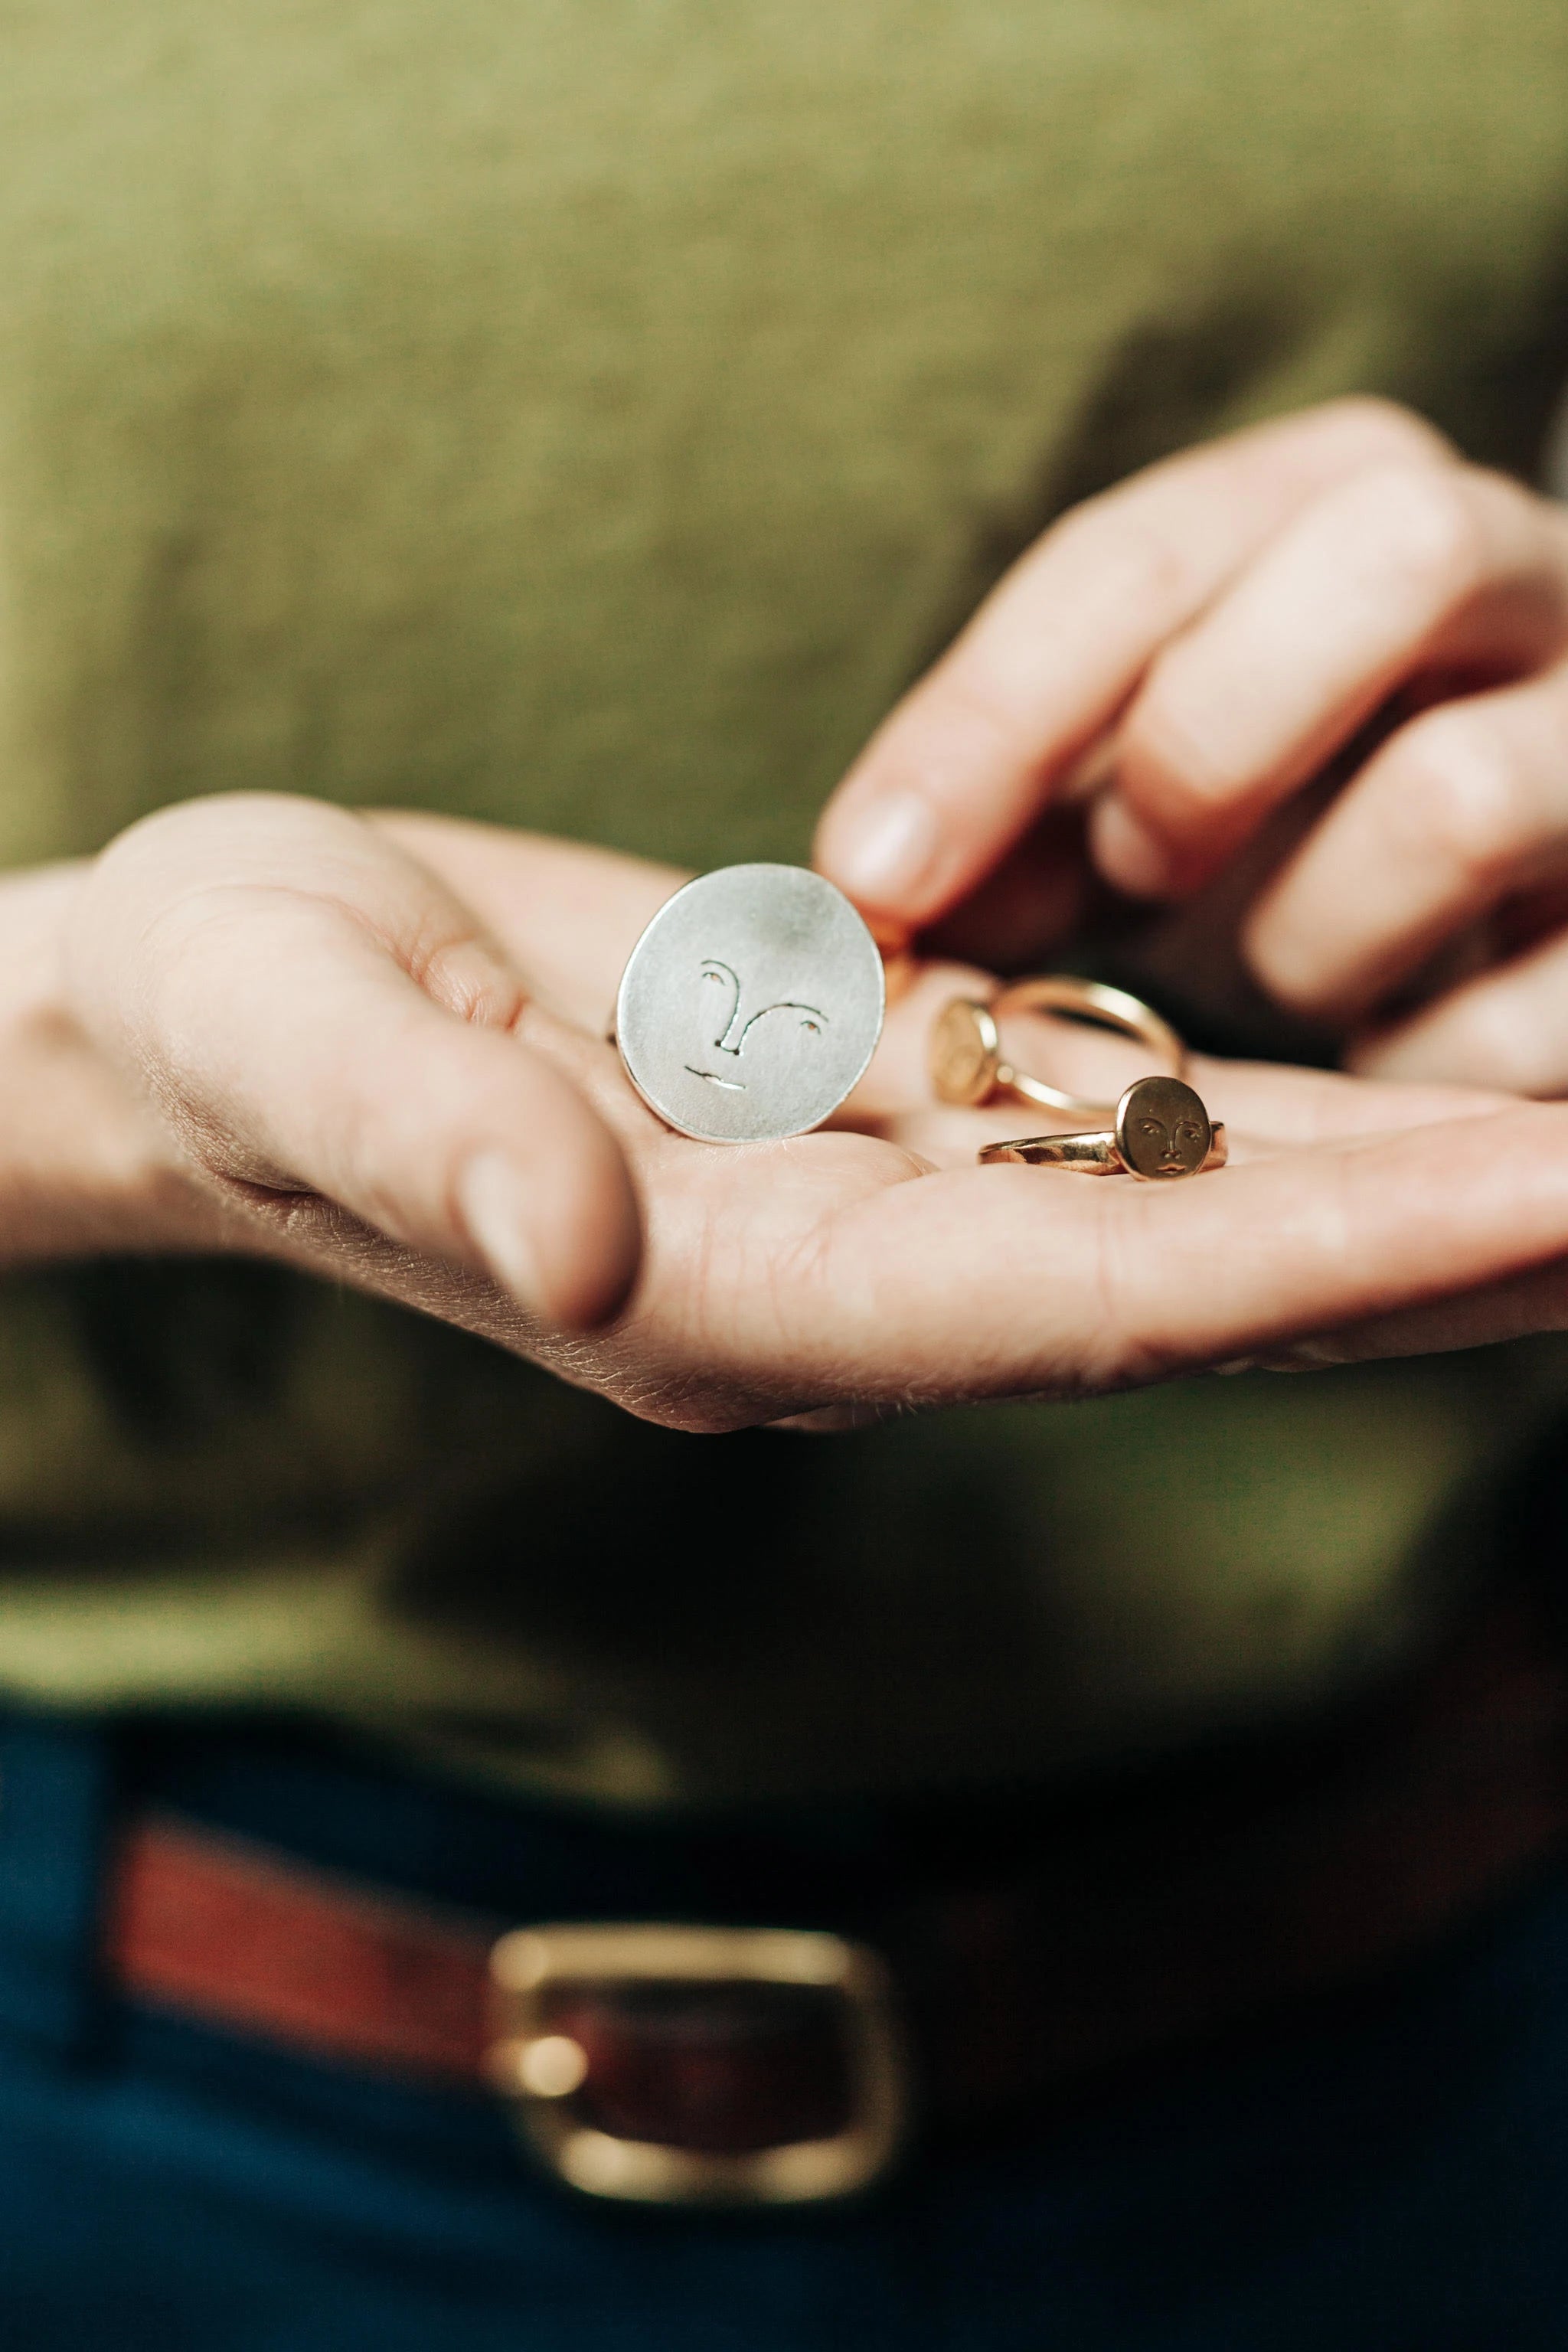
x,y
254,1939
1132,1924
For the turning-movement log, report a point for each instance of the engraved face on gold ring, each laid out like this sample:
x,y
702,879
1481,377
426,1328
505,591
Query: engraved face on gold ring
x,y
1163,1130
963,1052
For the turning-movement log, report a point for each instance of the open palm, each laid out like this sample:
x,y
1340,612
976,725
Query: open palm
x,y
875,1266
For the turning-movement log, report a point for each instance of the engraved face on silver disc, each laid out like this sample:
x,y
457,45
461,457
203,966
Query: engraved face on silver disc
x,y
751,1005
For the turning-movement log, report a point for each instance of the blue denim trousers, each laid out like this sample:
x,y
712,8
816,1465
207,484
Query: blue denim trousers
x,y
1386,2172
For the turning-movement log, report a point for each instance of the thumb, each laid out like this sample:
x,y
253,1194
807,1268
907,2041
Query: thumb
x,y
320,1019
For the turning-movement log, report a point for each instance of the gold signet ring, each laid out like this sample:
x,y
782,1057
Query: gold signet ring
x,y
964,1055
1162,1132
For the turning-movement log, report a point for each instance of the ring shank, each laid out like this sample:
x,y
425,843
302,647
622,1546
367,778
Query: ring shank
x,y
1084,1155
1095,1001
1092,1154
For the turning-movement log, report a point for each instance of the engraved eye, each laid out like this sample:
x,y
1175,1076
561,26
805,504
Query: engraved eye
x,y
807,1016
1152,1127
1189,1130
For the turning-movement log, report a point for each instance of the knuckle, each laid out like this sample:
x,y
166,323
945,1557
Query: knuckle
x,y
1364,430
464,977
1460,796
1484,1040
1139,563
969,715
1171,763
1155,568
1424,523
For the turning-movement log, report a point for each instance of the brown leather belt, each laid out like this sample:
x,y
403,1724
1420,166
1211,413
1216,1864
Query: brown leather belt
x,y
675,2062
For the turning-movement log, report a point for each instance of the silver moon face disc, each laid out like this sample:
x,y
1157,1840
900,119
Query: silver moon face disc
x,y
751,1005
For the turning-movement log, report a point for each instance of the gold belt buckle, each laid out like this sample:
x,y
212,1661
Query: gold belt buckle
x,y
585,2017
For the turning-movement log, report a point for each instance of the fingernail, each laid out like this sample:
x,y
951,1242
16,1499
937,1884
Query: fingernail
x,y
1127,853
883,852
494,1200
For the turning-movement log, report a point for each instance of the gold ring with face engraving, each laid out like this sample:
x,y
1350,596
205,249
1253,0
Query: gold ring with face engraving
x,y
1163,1132
966,1058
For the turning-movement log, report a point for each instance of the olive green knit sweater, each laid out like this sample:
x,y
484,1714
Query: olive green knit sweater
x,y
592,416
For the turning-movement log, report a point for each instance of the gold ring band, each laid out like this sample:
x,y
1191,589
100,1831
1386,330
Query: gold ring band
x,y
1163,1132
965,1051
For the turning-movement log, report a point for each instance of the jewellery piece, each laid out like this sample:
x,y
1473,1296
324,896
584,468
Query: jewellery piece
x,y
1162,1131
751,1005
965,1050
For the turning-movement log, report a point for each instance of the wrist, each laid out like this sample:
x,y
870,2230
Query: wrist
x,y
87,1168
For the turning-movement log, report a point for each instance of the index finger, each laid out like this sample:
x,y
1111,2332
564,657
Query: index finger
x,y
970,757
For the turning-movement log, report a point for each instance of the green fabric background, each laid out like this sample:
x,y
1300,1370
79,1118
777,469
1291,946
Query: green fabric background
x,y
592,416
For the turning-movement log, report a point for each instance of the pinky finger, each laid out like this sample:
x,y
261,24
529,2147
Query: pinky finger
x,y
1508,1029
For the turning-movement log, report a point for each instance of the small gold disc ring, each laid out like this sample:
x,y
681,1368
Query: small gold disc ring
x,y
1163,1132
964,1055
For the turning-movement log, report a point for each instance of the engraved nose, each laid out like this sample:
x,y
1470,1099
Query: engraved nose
x,y
729,1030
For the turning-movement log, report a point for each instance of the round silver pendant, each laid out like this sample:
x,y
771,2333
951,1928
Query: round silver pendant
x,y
751,1005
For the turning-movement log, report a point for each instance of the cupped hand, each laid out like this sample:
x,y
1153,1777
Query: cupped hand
x,y
1335,594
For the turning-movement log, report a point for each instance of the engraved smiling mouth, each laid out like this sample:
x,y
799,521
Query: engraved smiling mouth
x,y
730,1086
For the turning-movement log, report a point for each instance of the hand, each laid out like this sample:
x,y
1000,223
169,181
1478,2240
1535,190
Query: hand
x,y
293,1030
261,1024
1221,632
875,1266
